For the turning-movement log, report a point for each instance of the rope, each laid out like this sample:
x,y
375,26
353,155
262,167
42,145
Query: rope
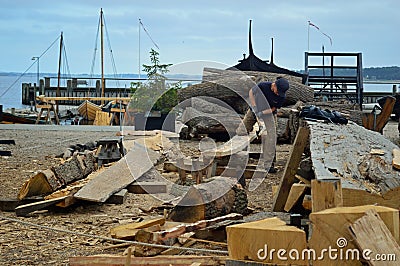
x,y
59,230
148,34
111,54
28,69
94,52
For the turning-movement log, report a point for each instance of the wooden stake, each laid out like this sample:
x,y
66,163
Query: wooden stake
x,y
288,178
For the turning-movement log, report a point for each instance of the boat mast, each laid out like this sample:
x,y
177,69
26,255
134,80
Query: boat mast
x,y
59,71
102,54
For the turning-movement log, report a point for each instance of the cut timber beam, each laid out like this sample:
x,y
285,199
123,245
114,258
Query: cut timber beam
x,y
288,178
254,241
119,197
326,194
332,224
370,232
297,190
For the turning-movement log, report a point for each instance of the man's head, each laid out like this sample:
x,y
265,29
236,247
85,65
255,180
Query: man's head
x,y
282,85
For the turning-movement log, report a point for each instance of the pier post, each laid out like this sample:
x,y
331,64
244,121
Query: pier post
x,y
394,89
47,83
41,87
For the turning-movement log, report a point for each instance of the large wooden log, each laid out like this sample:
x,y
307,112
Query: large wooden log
x,y
218,197
233,87
208,123
344,151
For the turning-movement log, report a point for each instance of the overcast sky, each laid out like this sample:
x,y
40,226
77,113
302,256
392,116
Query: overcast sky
x,y
187,31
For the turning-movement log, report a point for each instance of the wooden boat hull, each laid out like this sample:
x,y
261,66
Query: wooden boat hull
x,y
7,118
88,110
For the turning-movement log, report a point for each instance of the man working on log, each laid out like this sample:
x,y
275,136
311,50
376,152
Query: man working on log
x,y
265,99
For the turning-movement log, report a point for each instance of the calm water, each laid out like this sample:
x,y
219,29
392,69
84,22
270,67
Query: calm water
x,y
11,87
12,93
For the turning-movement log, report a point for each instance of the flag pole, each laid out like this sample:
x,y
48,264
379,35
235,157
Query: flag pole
x,y
308,37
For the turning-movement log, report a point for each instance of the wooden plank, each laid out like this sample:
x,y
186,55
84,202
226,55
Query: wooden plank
x,y
384,116
288,178
296,191
396,159
132,166
5,153
302,179
234,145
245,241
147,187
23,210
7,204
102,118
326,194
117,260
128,231
7,141
247,173
118,198
370,232
332,224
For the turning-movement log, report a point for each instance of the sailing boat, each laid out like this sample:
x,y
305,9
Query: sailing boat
x,y
87,109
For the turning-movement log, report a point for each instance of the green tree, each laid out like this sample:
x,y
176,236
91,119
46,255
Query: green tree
x,y
156,94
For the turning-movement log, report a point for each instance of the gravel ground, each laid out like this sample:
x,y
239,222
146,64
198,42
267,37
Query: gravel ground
x,y
35,150
22,244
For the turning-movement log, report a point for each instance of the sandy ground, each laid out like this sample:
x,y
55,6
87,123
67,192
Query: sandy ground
x,y
36,150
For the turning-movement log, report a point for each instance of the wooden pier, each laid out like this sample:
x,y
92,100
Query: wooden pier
x,y
72,94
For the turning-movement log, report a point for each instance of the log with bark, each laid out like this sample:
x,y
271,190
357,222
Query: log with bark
x,y
233,87
344,151
242,81
50,180
204,201
210,123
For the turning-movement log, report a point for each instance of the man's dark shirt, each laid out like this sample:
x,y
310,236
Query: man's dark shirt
x,y
273,99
